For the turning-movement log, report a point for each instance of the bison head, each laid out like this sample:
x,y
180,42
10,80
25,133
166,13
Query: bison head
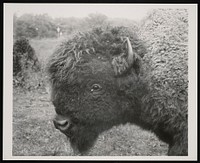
x,y
92,93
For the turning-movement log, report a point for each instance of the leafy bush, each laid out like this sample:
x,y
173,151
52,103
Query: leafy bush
x,y
31,26
24,61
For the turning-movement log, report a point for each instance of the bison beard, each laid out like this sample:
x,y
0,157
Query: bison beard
x,y
83,140
92,93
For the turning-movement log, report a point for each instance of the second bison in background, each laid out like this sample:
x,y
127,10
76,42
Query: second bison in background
x,y
99,80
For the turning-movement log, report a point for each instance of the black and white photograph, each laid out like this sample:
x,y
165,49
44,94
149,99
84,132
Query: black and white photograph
x,y
100,81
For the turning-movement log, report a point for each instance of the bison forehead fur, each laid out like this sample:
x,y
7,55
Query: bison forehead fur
x,y
98,92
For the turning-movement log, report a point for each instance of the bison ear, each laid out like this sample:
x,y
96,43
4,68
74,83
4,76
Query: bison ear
x,y
123,63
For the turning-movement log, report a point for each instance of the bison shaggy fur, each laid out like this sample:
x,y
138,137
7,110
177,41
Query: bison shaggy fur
x,y
97,85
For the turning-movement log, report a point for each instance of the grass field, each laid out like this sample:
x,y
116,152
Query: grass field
x,y
35,135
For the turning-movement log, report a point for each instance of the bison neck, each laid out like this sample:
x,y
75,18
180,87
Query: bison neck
x,y
145,122
140,115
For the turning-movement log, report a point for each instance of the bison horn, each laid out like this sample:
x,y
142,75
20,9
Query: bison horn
x,y
123,63
130,55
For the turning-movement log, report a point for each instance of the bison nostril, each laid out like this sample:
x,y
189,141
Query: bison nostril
x,y
62,124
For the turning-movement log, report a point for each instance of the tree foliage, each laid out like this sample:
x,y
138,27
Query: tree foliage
x,y
31,26
44,26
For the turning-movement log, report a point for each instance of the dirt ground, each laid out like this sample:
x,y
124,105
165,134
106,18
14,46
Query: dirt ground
x,y
35,135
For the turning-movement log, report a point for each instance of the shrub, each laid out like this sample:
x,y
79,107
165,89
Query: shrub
x,y
25,61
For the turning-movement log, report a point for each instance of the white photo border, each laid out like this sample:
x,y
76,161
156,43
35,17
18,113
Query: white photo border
x,y
9,9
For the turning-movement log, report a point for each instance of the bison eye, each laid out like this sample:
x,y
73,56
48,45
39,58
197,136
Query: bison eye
x,y
95,87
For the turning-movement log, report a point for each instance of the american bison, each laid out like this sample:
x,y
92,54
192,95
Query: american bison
x,y
99,80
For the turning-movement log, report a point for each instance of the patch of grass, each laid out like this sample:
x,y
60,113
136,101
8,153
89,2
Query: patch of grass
x,y
44,48
33,130
128,140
